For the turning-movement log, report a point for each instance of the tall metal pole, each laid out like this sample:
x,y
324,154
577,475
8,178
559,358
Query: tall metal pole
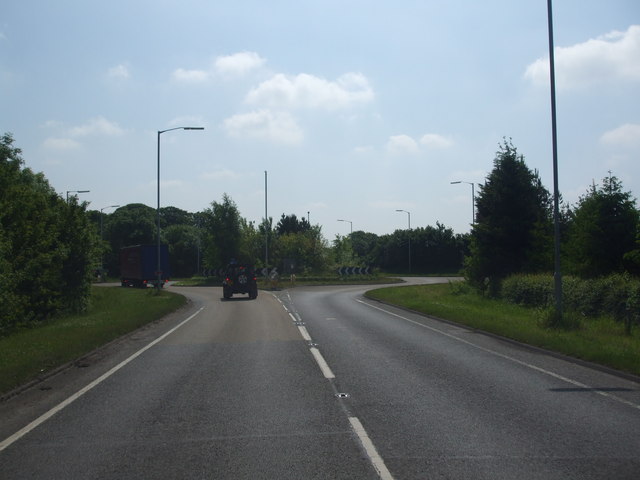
x,y
158,264
473,199
348,221
556,195
266,225
158,273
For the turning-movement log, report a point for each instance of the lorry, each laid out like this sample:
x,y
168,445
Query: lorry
x,y
240,278
139,265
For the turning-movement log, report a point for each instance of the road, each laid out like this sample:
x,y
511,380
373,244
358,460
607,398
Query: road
x,y
318,382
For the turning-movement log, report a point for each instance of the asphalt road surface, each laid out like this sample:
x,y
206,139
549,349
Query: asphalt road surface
x,y
319,382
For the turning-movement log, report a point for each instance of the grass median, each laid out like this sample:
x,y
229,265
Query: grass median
x,y
598,340
114,311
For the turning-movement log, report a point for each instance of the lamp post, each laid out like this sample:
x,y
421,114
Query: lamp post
x,y
409,218
349,221
101,256
104,208
473,200
76,191
557,276
160,132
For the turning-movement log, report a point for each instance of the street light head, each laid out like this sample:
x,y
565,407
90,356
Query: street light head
x,y
194,128
452,183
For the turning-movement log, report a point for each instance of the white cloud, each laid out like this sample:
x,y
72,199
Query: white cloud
x,y
278,127
119,72
61,144
235,65
402,144
97,126
433,140
190,76
627,135
309,91
611,57
238,64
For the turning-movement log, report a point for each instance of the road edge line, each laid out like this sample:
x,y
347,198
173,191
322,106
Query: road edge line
x,y
65,403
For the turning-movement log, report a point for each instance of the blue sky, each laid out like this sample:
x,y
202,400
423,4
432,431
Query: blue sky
x,y
355,108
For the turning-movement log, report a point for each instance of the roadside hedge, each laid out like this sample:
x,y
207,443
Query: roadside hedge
x,y
617,294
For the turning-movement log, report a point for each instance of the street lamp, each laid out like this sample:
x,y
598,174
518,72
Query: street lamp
x,y
349,221
160,132
409,218
101,256
473,200
104,208
76,191
557,276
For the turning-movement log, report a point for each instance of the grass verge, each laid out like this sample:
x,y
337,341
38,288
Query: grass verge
x,y
599,340
114,311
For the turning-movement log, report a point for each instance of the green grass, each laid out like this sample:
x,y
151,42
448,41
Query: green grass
x,y
114,311
598,340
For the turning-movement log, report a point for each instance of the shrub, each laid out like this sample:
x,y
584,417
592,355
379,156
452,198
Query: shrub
x,y
617,295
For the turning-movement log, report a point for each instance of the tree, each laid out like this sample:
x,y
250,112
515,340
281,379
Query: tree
x,y
132,224
291,224
513,230
222,234
183,243
602,230
365,246
46,246
174,216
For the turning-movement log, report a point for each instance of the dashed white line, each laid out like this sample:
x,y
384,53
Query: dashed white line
x,y
376,460
326,371
304,333
369,447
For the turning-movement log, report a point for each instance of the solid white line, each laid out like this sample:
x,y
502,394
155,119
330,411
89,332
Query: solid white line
x,y
46,416
374,457
326,371
512,359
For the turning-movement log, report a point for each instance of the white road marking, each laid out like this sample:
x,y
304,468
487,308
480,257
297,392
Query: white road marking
x,y
375,459
46,416
326,371
372,453
304,333
512,359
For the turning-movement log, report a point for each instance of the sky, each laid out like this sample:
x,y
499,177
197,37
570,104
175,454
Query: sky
x,y
354,108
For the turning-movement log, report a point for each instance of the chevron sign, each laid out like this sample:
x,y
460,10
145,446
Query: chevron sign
x,y
354,271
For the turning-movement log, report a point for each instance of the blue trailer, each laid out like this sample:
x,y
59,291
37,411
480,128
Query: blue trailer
x,y
139,265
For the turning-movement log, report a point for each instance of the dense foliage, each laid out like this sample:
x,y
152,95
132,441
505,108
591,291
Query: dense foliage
x,y
513,230
617,294
602,230
47,246
50,247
